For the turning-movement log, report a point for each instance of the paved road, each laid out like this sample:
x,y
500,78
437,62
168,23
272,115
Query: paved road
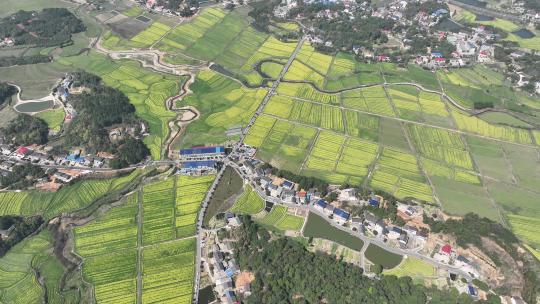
x,y
486,11
365,239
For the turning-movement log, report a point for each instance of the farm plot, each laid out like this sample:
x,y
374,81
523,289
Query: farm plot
x,y
345,72
150,35
322,160
525,165
146,90
306,91
249,202
490,158
190,192
357,155
283,144
270,49
223,103
324,116
271,69
301,72
362,125
435,168
398,173
18,283
527,228
185,35
478,126
460,198
370,99
279,218
441,145
411,74
316,61
413,267
108,246
169,272
158,210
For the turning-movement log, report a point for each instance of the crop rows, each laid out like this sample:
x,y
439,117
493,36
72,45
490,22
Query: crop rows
x,y
301,72
248,203
168,272
478,126
158,212
186,34
371,99
441,145
316,61
306,91
435,168
151,34
279,218
190,192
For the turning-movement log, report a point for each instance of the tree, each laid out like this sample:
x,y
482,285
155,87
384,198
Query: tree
x,y
131,152
6,91
26,130
376,269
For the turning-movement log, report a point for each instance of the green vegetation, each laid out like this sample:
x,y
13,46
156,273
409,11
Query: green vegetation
x,y
21,176
317,227
229,185
248,203
6,91
413,267
504,119
284,268
146,90
382,257
279,218
223,103
26,130
190,192
53,118
50,27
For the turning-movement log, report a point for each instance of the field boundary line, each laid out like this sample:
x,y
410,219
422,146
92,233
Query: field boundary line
x,y
310,149
174,206
139,245
372,166
409,122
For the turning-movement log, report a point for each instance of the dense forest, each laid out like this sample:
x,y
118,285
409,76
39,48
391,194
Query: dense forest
x,y
50,27
286,272
98,109
6,91
26,130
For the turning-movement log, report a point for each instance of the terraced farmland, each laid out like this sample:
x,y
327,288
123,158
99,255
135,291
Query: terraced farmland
x,y
108,246
190,192
168,272
158,210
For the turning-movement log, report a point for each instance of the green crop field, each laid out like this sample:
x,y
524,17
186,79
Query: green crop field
x,y
146,90
249,202
271,69
223,103
190,192
53,118
379,256
413,267
370,99
108,246
18,281
158,210
345,72
169,272
279,218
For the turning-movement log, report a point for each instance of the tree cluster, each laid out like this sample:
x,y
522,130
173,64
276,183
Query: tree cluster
x,y
50,27
6,91
262,13
99,108
429,7
286,272
23,228
22,176
26,130
305,182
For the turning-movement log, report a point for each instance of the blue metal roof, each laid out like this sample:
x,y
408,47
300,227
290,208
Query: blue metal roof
x,y
373,202
396,229
472,292
199,164
322,203
287,184
203,150
341,213
230,272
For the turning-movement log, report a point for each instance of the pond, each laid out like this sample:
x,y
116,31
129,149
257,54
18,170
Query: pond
x,y
206,295
474,3
524,33
36,106
448,25
480,17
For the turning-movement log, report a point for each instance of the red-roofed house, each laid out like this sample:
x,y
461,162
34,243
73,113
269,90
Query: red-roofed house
x,y
383,58
446,249
22,152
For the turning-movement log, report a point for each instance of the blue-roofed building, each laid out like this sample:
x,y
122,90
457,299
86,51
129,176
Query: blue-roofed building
x,y
287,185
198,167
373,202
394,233
231,271
436,54
75,159
341,216
321,205
202,153
440,12
471,290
